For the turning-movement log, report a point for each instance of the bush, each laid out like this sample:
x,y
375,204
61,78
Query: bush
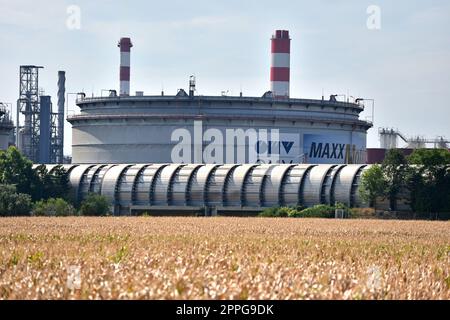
x,y
54,207
278,212
269,212
319,211
95,205
13,203
285,212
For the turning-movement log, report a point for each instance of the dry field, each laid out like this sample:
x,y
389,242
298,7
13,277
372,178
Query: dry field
x,y
223,258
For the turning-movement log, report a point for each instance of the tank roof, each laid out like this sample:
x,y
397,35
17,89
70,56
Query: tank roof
x,y
230,99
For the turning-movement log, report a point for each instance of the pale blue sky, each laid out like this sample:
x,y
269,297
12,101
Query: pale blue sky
x,y
405,66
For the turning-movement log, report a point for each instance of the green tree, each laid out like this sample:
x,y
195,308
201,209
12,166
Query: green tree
x,y
13,203
17,170
372,185
431,158
429,181
54,185
61,183
95,205
42,182
419,197
53,207
394,168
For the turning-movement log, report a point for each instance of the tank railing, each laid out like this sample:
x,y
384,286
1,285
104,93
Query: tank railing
x,y
317,102
200,117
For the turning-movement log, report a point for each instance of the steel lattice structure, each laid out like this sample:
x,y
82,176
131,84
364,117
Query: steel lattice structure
x,y
28,105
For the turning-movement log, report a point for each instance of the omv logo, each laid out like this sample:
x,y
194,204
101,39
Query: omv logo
x,y
274,147
287,145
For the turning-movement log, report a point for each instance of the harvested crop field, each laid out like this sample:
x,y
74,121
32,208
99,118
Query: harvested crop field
x,y
223,258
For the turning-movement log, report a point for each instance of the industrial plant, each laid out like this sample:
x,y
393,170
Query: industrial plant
x,y
39,129
187,152
6,126
124,128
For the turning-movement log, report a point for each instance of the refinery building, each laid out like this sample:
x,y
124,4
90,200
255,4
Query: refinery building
x,y
188,128
217,154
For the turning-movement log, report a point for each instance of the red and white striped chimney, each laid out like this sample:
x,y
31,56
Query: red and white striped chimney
x,y
280,68
125,46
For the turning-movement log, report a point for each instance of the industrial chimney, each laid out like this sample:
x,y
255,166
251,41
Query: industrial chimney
x,y
125,46
280,68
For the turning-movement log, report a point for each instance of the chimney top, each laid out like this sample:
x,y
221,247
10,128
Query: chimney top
x,y
125,44
281,34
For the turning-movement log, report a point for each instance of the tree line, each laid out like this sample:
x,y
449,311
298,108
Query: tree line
x,y
25,190
424,177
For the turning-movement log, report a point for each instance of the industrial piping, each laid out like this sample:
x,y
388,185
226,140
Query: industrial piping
x,y
45,129
213,188
280,66
125,47
61,103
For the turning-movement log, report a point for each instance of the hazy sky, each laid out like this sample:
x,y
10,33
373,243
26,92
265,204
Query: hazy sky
x,y
404,66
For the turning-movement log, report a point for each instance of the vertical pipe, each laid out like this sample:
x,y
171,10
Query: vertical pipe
x,y
125,46
280,64
61,103
45,129
17,124
27,133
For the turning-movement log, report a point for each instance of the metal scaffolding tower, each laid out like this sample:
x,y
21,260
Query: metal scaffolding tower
x,y
41,135
55,141
28,105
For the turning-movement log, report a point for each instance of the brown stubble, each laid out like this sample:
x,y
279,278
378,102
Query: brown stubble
x,y
224,258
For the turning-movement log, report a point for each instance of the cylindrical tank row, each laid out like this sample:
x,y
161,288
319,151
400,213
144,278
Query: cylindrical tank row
x,y
246,187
